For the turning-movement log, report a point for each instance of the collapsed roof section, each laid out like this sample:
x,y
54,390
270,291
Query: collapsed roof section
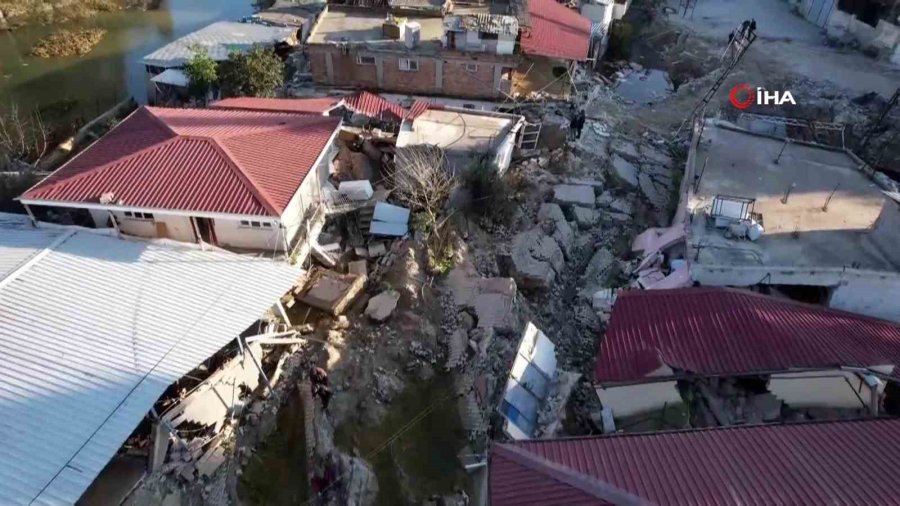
x,y
718,331
94,330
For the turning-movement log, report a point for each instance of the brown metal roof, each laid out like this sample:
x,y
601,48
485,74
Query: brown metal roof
x,y
846,463
724,331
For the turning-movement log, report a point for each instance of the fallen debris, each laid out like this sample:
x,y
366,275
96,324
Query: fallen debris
x,y
382,305
329,290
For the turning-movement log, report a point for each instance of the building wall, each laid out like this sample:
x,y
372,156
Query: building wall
x,y
310,191
831,389
444,74
873,297
231,234
628,400
178,228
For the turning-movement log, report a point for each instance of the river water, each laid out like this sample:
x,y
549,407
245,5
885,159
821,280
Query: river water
x,y
80,87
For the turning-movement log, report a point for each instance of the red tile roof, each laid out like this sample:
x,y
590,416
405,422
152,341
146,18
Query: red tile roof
x,y
318,105
362,102
811,463
210,160
374,106
724,331
556,31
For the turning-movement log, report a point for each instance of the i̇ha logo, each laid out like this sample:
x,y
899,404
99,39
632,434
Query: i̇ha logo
x,y
743,96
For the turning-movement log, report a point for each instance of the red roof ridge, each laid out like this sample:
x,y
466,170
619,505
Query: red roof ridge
x,y
568,476
261,195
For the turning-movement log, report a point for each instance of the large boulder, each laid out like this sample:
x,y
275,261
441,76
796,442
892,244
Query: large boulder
x,y
535,259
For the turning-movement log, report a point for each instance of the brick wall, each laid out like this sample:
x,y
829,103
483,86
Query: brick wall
x,y
456,80
462,83
421,81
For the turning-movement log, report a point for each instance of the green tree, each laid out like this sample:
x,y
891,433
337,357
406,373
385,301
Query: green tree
x,y
256,73
203,74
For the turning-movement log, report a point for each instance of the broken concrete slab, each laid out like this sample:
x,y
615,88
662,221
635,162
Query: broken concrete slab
x,y
330,291
584,217
655,155
571,194
625,170
597,271
555,225
624,148
377,249
536,258
382,305
495,311
358,267
656,193
210,461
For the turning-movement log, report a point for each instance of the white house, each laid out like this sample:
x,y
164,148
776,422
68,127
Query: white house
x,y
239,179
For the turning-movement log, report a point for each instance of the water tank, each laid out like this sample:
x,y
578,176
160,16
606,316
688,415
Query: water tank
x,y
412,33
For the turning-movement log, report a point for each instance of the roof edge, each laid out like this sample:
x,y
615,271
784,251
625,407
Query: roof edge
x,y
558,472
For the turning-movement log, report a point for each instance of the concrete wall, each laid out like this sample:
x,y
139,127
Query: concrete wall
x,y
865,292
631,400
620,8
873,297
230,234
599,12
310,191
833,389
131,226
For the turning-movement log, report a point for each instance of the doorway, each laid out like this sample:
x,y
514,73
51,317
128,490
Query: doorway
x,y
205,230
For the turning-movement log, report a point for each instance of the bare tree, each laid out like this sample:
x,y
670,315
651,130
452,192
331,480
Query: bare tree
x,y
422,179
24,139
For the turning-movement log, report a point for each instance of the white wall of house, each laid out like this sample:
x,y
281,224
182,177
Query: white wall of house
x,y
620,8
506,43
310,191
133,226
832,389
878,297
231,234
628,400
599,12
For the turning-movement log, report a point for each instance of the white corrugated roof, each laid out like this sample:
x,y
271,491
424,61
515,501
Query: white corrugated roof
x,y
217,39
174,77
92,331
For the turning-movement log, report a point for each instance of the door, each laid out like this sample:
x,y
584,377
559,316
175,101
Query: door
x,y
205,230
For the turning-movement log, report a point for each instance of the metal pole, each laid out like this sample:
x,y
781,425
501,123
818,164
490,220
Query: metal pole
x,y
787,193
778,158
828,200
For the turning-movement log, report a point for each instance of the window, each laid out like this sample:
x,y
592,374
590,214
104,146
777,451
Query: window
x,y
471,67
256,224
135,215
488,36
409,64
365,60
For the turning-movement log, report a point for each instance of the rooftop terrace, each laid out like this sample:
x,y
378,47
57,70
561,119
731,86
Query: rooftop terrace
x,y
860,228
365,25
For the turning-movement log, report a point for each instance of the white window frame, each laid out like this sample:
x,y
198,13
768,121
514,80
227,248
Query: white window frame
x,y
359,60
137,215
410,63
258,225
471,67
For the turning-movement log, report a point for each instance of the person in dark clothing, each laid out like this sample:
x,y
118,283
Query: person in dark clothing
x,y
744,27
752,26
731,36
325,395
573,126
578,124
318,376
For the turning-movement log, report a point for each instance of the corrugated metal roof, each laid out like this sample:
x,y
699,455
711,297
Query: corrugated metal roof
x,y
16,250
93,332
316,105
211,160
556,31
813,463
218,40
724,331
374,106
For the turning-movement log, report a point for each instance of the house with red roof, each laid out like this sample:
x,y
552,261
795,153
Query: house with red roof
x,y
845,462
732,357
238,178
370,106
474,51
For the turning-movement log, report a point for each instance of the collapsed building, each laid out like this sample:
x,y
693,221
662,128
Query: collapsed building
x,y
102,336
806,463
488,51
716,356
785,215
873,24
